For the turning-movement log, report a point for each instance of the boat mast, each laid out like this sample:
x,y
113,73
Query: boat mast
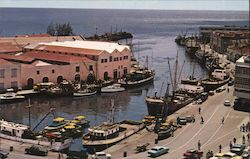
x,y
175,72
29,106
112,118
170,72
147,62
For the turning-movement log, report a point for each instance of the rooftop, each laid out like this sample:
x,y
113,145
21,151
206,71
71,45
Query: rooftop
x,y
91,45
8,47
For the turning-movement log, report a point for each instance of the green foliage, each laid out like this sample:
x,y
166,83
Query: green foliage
x,y
60,29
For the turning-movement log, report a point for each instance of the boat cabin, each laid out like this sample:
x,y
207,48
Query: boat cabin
x,y
12,129
104,131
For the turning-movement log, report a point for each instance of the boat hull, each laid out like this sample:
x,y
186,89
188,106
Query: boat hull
x,y
130,84
212,85
78,94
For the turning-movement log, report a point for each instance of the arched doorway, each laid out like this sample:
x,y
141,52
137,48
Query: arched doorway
x,y
125,71
77,77
59,79
106,76
115,74
91,79
30,83
45,79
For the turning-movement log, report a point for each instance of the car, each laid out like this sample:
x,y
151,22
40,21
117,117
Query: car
x,y
158,151
237,149
190,118
227,103
101,155
220,89
37,150
230,83
181,120
192,153
211,93
3,154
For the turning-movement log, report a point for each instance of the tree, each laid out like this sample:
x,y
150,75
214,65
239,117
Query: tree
x,y
60,29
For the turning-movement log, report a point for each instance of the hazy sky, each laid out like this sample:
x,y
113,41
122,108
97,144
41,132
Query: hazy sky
x,y
242,5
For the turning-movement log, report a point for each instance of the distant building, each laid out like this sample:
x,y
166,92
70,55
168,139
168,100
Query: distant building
x,y
10,75
242,78
235,51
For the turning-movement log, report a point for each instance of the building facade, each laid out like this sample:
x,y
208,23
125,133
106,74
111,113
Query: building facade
x,y
242,78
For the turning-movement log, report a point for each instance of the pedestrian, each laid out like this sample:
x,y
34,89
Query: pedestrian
x,y
199,110
220,147
243,127
227,89
234,140
199,145
202,120
230,145
248,137
243,139
222,120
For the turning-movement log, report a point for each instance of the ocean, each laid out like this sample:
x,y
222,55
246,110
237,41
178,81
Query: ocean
x,y
154,33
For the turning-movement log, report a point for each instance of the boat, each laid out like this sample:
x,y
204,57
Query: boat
x,y
13,129
56,125
168,104
113,88
11,97
65,88
85,92
165,131
219,77
108,133
81,120
137,78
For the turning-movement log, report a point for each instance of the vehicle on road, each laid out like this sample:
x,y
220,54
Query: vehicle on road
x,y
211,93
181,120
193,154
37,150
3,154
142,148
237,149
158,151
220,89
227,103
190,118
101,155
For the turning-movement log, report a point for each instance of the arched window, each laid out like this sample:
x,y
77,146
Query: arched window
x,y
45,79
106,76
59,79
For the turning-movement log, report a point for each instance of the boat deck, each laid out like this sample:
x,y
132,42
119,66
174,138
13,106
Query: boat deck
x,y
130,130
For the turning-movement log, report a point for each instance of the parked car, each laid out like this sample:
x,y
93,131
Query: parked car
x,y
101,155
237,149
37,150
190,154
3,154
227,103
230,83
158,151
190,118
220,89
211,93
181,120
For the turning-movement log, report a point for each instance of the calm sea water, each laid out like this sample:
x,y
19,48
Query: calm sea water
x,y
154,33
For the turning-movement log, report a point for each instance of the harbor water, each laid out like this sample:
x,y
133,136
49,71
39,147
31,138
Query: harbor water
x,y
154,33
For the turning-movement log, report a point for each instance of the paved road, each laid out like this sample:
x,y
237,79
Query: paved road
x,y
211,134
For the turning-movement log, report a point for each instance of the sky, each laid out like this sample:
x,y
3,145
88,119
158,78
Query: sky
x,y
229,5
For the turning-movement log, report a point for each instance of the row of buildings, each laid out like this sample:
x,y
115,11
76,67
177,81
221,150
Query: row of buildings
x,y
28,60
232,41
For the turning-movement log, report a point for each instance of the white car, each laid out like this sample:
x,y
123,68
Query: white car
x,y
158,151
227,103
101,155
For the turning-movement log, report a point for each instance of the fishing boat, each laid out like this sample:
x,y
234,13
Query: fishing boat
x,y
56,125
85,92
108,133
81,120
11,97
113,88
219,77
168,104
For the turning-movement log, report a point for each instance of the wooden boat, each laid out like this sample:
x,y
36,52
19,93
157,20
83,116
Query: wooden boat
x,y
11,97
85,92
112,88
81,120
56,125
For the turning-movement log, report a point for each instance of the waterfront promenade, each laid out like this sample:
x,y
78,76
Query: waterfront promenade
x,y
211,134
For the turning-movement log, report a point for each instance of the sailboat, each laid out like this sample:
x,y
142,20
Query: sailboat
x,y
168,104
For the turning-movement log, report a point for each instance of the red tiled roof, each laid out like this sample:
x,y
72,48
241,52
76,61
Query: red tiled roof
x,y
56,57
8,47
69,50
4,62
20,58
34,35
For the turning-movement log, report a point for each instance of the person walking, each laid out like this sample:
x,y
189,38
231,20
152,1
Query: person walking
x,y
220,147
234,140
199,145
230,145
222,120
248,137
202,120
243,139
199,110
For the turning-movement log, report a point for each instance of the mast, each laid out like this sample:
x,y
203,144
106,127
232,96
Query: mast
x,y
147,62
111,120
175,72
29,106
171,79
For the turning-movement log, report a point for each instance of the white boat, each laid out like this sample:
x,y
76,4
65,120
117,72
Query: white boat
x,y
11,97
12,129
113,88
59,145
85,92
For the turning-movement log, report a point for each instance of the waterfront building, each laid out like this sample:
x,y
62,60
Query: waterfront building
x,y
242,78
112,60
10,75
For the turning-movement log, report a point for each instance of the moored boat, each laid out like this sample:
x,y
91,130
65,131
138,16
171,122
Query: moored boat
x,y
11,97
56,125
113,88
85,92
81,120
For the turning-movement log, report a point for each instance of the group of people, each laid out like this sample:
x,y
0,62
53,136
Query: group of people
x,y
245,127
